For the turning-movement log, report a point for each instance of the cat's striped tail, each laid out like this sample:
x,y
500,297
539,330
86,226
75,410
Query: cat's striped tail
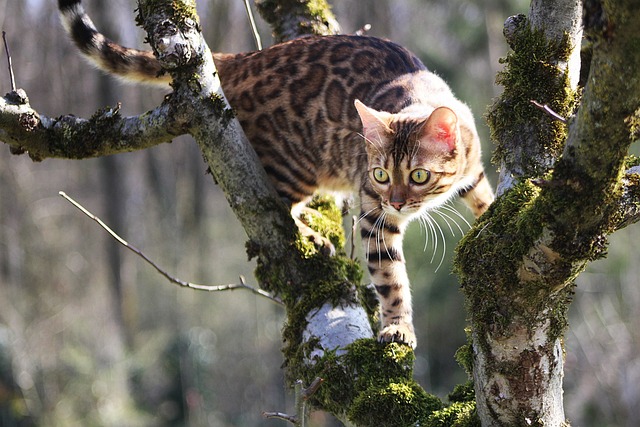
x,y
126,63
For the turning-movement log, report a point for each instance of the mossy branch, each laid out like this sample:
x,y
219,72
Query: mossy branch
x,y
295,18
563,189
629,203
70,137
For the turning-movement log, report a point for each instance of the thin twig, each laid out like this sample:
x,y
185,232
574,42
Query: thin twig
x,y
363,30
6,48
549,111
179,282
252,22
354,225
281,416
302,394
313,387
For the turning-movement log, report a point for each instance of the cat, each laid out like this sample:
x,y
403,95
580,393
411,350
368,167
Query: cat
x,y
342,113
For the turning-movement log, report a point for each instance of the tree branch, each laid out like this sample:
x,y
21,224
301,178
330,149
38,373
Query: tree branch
x,y
295,18
587,177
561,194
629,203
71,137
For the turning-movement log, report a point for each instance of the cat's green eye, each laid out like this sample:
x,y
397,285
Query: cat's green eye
x,y
420,176
380,175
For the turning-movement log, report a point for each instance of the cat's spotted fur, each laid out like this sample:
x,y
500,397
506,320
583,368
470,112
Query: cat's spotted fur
x,y
343,113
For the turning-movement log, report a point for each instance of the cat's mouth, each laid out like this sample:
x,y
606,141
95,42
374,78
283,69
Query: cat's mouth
x,y
403,211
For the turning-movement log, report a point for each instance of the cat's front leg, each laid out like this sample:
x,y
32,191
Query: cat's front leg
x,y
382,240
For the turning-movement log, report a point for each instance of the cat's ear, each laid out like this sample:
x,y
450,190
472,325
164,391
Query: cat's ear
x,y
375,124
442,127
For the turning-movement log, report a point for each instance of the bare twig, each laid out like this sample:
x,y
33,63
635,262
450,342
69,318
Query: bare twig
x,y
174,280
302,394
252,22
363,30
281,416
549,111
354,226
313,387
6,48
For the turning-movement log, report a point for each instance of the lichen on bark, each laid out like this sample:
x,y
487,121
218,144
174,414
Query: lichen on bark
x,y
561,199
296,18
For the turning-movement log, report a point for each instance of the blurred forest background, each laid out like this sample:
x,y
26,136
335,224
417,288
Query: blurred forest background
x,y
92,336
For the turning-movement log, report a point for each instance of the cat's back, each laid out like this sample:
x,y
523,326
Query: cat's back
x,y
310,72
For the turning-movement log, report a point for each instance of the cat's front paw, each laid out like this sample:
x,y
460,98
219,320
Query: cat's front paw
x,y
400,333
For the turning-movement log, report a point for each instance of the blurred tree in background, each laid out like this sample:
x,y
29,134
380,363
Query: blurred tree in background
x,y
91,336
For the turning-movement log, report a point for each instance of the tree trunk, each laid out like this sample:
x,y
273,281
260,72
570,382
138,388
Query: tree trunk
x,y
559,197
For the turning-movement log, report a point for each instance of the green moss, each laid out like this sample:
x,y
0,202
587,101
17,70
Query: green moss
x,y
375,382
530,74
332,280
396,405
462,393
295,18
73,139
500,238
328,222
458,414
464,357
178,11
633,122
631,161
489,264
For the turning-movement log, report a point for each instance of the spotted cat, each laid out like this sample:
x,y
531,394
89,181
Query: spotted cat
x,y
342,113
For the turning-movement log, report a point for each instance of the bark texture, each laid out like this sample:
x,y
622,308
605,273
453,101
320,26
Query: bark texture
x,y
563,189
295,18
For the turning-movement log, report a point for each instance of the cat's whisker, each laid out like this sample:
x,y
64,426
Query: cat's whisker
x,y
454,211
375,144
365,214
427,232
432,231
448,218
444,248
386,248
379,234
374,229
362,216
437,227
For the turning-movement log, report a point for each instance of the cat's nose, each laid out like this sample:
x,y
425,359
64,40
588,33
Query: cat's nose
x,y
397,205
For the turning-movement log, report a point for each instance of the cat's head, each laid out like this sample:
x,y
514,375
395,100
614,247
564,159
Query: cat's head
x,y
413,159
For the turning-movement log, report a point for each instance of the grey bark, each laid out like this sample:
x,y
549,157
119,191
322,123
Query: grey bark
x,y
564,205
